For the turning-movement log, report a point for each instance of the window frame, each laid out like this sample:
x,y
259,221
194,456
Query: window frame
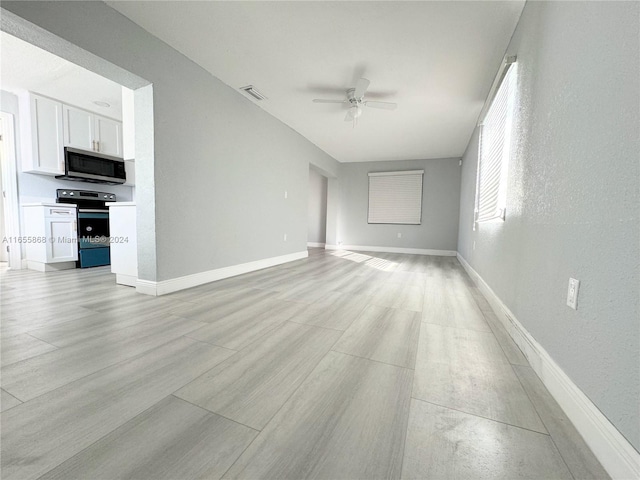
x,y
395,174
507,78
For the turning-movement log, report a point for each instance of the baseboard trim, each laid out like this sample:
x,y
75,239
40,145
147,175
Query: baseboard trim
x,y
128,280
147,287
163,287
315,244
619,458
410,251
50,267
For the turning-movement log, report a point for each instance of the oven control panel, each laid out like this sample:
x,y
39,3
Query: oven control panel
x,y
86,195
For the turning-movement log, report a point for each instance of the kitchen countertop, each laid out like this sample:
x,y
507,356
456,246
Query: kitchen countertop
x,y
49,204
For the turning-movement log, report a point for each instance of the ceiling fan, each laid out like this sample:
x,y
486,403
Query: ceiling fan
x,y
355,100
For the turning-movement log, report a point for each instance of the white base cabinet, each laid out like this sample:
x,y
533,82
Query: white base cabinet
x,y
124,245
50,236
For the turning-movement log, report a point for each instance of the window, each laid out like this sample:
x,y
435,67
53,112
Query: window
x,y
494,149
395,197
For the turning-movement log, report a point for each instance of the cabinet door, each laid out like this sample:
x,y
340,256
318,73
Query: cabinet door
x,y
124,254
108,135
48,149
78,128
62,240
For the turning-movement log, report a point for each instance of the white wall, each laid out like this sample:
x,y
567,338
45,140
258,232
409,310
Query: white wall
x,y
440,205
317,228
573,199
213,193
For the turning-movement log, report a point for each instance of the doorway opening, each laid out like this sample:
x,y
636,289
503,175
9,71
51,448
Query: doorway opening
x,y
10,255
317,211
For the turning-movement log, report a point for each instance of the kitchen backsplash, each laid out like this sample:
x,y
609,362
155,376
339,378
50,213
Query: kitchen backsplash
x,y
40,188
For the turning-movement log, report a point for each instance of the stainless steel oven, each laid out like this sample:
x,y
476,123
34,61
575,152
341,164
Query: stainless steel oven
x,y
93,225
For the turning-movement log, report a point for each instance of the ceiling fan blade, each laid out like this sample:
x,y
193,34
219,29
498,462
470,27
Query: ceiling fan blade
x,y
319,100
383,105
361,88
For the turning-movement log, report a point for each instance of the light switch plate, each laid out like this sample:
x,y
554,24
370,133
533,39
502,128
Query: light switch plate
x,y
572,293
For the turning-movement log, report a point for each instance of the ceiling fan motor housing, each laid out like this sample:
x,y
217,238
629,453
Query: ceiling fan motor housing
x,y
352,98
355,101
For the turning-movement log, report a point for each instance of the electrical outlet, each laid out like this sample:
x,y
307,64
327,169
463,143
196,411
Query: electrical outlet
x,y
286,194
399,235
572,293
285,237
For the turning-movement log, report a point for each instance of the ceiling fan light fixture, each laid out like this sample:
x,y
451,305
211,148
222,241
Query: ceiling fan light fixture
x,y
355,112
356,100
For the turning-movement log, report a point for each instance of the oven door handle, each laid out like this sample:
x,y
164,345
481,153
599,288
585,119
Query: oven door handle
x,y
93,210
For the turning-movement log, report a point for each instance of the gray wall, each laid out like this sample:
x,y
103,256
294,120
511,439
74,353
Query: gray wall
x,y
440,205
221,163
317,228
573,199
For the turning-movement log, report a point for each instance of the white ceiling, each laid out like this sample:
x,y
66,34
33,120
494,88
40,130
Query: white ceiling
x,y
27,67
435,59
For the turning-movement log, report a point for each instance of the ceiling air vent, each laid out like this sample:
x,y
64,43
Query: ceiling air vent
x,y
250,90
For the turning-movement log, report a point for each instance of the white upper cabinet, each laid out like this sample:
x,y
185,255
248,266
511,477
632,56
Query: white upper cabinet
x,y
108,136
47,126
78,128
42,146
88,131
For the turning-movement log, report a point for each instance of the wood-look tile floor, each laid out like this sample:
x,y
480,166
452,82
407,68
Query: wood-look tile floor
x,y
345,365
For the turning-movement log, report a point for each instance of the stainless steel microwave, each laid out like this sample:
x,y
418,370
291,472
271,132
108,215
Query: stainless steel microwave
x,y
84,166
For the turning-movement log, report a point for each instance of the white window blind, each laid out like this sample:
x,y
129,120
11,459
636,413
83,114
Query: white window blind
x,y
396,197
494,150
